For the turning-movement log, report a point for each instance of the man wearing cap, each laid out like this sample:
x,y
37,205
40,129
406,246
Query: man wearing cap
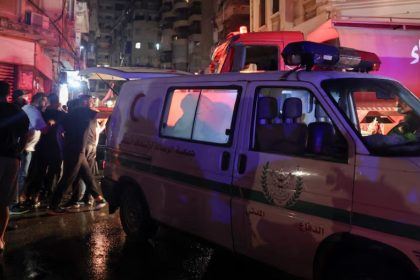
x,y
18,98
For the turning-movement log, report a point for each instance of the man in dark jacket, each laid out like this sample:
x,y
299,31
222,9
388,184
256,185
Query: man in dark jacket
x,y
14,126
76,126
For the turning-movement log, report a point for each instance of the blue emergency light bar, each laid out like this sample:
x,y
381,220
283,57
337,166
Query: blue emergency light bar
x,y
326,57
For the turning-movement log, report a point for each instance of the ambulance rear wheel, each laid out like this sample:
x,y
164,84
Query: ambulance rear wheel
x,y
135,216
366,267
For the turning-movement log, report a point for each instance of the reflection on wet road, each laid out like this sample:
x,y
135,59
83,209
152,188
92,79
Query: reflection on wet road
x,y
92,245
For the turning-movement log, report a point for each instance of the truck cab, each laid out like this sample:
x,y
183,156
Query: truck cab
x,y
252,52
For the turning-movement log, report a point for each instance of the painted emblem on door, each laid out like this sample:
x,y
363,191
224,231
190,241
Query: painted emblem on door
x,y
281,188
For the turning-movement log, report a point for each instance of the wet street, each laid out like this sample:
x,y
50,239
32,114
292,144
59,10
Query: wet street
x,y
92,245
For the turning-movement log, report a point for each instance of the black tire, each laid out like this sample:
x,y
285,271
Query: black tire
x,y
368,266
135,216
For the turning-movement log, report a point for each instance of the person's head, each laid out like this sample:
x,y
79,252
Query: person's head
x,y
40,101
54,101
403,107
4,90
188,103
73,104
86,100
19,97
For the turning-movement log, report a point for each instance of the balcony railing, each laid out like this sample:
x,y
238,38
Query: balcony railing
x,y
181,23
180,5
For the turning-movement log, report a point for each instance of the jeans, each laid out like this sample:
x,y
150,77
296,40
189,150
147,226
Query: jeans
x,y
44,172
23,172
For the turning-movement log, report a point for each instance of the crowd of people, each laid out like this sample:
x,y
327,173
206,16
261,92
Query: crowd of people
x,y
46,148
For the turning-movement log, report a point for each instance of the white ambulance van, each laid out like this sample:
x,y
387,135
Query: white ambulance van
x,y
274,166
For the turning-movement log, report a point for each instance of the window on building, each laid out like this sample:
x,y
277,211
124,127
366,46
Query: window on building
x,y
150,45
138,45
204,115
276,6
119,7
262,12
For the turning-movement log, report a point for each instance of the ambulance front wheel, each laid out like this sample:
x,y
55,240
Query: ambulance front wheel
x,y
135,215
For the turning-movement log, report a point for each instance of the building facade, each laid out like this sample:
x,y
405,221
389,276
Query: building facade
x,y
39,39
109,14
186,34
144,35
128,33
230,15
307,15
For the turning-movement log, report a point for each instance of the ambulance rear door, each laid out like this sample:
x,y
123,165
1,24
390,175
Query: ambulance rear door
x,y
198,136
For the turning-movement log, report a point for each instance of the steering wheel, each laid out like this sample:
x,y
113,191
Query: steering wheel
x,y
398,129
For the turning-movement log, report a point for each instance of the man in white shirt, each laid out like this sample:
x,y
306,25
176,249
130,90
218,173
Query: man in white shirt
x,y
37,126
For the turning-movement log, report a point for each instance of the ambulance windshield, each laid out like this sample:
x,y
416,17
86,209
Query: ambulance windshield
x,y
384,113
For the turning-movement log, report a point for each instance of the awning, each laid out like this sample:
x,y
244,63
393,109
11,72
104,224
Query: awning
x,y
22,52
15,51
127,73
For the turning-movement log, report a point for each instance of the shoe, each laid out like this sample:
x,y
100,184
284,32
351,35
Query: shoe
x,y
19,209
71,205
100,204
81,203
87,200
36,205
56,211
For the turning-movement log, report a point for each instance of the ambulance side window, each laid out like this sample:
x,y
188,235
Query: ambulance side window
x,y
291,121
204,115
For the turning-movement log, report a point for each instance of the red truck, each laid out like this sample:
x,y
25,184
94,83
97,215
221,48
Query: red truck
x,y
397,44
252,52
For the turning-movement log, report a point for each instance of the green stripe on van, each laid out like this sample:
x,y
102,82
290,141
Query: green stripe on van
x,y
386,226
170,174
322,211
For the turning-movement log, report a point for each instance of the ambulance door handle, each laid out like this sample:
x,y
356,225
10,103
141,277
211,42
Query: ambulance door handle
x,y
241,163
225,161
